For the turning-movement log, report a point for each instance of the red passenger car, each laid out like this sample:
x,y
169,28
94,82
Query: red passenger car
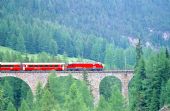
x,y
84,66
43,66
10,67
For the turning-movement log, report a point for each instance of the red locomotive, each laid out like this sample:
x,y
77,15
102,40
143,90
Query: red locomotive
x,y
84,66
51,66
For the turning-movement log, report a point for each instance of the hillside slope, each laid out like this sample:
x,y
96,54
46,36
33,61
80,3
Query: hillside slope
x,y
98,30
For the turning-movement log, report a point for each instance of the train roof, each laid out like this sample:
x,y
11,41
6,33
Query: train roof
x,y
9,63
84,63
52,63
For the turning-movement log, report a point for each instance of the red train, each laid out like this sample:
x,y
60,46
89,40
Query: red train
x,y
51,66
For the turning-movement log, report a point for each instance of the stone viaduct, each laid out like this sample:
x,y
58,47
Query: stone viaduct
x,y
94,77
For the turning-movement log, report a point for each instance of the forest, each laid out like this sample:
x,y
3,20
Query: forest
x,y
121,34
57,27
149,90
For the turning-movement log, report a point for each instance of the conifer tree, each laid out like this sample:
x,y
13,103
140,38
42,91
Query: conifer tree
x,y
139,51
109,57
167,97
2,100
139,82
47,102
116,101
39,92
11,107
74,101
29,99
8,91
26,58
20,45
103,105
24,106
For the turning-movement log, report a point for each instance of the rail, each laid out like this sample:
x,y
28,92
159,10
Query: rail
x,y
104,71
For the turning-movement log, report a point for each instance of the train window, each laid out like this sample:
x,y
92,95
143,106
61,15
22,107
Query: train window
x,y
7,65
56,65
3,65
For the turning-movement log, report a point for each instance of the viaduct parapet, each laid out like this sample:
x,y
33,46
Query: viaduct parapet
x,y
94,77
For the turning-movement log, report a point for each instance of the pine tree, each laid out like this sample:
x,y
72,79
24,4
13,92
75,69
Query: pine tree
x,y
10,41
139,51
39,92
154,105
29,99
8,91
167,53
74,101
106,86
109,57
116,101
140,100
96,51
20,45
26,58
11,107
140,78
43,55
1,56
103,105
24,106
2,100
47,102
53,48
167,97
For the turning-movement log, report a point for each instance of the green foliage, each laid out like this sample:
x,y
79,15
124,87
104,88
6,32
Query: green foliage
x,y
167,93
109,57
29,99
115,102
47,102
11,107
63,92
103,105
106,86
139,52
24,106
148,90
8,91
74,100
2,99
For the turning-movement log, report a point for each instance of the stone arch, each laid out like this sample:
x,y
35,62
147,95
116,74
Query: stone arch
x,y
114,80
130,81
64,76
129,84
16,77
33,78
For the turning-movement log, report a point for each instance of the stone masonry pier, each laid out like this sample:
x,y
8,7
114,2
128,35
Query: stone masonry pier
x,y
94,77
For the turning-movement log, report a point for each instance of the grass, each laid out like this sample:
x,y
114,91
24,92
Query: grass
x,y
62,58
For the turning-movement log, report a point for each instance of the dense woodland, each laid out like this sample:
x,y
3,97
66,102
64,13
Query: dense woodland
x,y
31,30
88,29
149,90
